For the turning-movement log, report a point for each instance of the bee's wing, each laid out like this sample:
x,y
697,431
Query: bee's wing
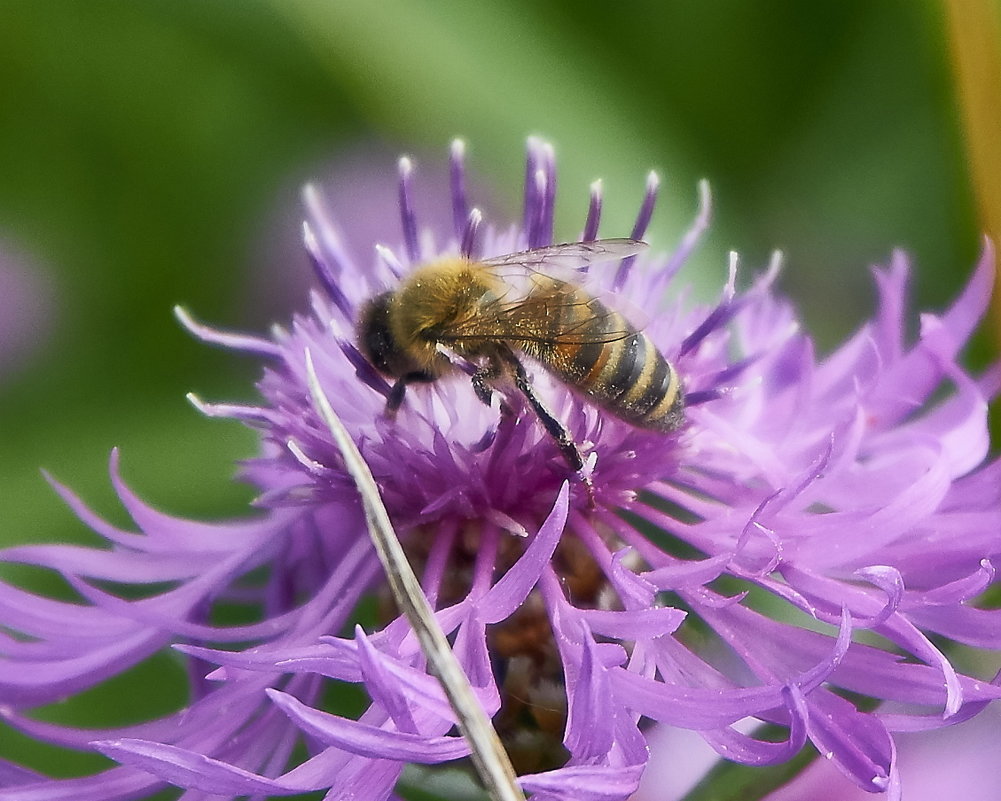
x,y
545,300
568,255
552,311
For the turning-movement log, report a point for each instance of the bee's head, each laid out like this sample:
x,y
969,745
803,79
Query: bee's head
x,y
376,340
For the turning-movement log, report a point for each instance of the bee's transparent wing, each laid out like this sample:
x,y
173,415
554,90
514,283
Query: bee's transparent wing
x,y
568,255
554,312
546,298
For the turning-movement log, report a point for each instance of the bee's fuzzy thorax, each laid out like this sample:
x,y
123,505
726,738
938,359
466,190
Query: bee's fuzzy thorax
x,y
433,298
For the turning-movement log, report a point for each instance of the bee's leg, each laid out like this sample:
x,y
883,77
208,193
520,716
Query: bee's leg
x,y
481,379
395,397
489,371
554,427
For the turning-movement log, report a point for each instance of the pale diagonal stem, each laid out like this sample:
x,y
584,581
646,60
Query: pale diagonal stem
x,y
489,757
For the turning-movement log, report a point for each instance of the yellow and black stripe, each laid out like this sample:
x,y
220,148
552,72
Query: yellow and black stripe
x,y
599,353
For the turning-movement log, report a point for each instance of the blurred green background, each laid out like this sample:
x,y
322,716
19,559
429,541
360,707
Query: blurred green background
x,y
150,154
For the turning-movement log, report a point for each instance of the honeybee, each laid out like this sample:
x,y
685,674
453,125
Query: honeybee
x,y
488,311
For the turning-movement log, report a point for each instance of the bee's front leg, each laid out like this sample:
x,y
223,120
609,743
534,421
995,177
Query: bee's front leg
x,y
399,390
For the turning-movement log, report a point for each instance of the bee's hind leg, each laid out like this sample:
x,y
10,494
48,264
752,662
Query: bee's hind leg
x,y
554,427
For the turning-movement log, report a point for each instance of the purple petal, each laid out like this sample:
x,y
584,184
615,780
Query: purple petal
x,y
585,782
747,750
187,769
858,744
370,741
512,589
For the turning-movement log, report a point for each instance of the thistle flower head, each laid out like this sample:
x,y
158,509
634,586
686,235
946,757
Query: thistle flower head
x,y
720,573
26,308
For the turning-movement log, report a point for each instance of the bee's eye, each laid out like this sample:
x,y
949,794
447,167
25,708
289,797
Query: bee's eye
x,y
375,339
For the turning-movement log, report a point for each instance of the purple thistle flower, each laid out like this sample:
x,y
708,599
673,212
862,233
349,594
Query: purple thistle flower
x,y
812,534
27,298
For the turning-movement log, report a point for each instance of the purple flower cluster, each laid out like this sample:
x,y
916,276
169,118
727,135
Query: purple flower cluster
x,y
811,537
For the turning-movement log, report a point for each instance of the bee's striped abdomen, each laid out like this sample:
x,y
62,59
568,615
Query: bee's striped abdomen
x,y
616,366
